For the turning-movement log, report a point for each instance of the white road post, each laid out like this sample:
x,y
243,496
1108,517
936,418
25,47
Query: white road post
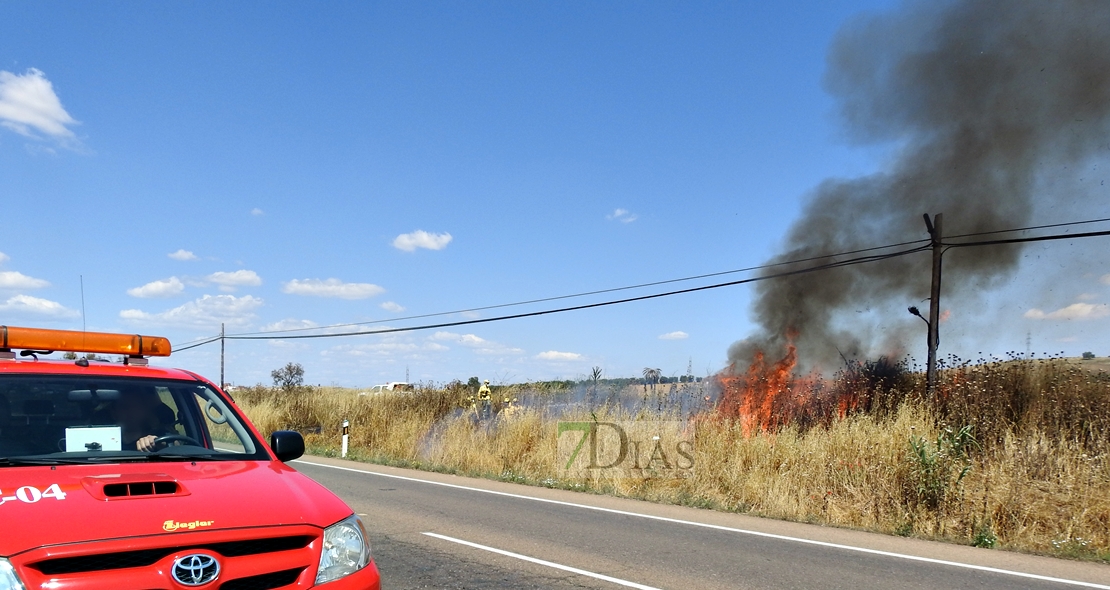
x,y
346,426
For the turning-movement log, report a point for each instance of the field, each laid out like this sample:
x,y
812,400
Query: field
x,y
1008,453
1093,365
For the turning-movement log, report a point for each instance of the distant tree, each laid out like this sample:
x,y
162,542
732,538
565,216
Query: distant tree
x,y
288,377
72,356
474,383
652,376
1088,356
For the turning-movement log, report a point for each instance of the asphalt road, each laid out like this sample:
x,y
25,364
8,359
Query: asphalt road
x,y
440,531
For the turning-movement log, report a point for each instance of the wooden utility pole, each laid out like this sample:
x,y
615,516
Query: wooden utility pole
x,y
223,383
934,227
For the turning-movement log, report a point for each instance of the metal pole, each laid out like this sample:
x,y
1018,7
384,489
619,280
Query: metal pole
x,y
346,426
223,384
83,329
935,232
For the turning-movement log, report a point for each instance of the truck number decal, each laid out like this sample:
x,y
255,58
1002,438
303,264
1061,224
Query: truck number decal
x,y
31,494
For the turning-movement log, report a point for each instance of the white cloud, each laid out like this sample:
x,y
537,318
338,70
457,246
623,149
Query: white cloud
x,y
678,335
4,258
389,350
27,305
1075,311
464,339
256,212
476,343
182,255
11,279
1087,297
498,349
392,307
331,288
421,239
228,281
622,215
377,349
1105,279
167,288
554,355
28,104
207,312
289,324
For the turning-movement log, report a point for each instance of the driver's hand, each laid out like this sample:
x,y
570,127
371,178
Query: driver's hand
x,y
146,443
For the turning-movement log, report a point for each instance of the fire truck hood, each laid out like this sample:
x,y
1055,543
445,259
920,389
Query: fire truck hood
x,y
80,503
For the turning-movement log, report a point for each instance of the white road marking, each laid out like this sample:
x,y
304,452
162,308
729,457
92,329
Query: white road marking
x,y
552,564
970,566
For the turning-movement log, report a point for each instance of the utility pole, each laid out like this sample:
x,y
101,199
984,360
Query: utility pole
x,y
934,227
223,383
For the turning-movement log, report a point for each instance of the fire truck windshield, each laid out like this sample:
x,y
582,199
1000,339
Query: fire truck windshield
x,y
58,418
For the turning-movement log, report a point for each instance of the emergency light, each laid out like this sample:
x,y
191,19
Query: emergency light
x,y
131,345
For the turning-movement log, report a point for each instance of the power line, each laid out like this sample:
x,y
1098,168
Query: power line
x,y
588,293
1030,239
204,339
198,343
274,335
854,261
1029,227
657,283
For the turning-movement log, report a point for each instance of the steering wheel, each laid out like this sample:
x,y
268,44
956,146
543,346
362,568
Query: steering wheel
x,y
164,441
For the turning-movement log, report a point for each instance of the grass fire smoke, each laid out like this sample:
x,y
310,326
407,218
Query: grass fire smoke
x,y
978,100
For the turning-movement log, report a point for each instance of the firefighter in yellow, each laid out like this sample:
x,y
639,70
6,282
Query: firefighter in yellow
x,y
485,398
508,406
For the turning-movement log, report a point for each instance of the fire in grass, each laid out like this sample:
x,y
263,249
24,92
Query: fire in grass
x,y
771,394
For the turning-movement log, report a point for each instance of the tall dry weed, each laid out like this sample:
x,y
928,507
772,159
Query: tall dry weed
x,y
1009,453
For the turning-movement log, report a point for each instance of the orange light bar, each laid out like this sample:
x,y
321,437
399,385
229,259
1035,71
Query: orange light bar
x,y
72,341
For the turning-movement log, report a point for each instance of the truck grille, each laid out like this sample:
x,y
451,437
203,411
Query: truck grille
x,y
146,557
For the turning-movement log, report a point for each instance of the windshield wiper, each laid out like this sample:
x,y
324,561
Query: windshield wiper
x,y
126,456
193,457
31,460
175,454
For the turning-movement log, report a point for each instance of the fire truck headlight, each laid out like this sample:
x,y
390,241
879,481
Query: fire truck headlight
x,y
8,579
346,550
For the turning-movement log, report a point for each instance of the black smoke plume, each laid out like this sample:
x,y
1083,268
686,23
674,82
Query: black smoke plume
x,y
976,100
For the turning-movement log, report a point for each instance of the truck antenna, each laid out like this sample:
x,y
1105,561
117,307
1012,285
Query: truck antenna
x,y
82,278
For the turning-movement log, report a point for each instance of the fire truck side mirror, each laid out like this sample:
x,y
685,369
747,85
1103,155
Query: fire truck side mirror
x,y
287,445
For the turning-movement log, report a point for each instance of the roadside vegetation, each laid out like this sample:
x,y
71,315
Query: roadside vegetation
x,y
1008,453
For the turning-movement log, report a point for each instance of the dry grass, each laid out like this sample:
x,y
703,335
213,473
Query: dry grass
x,y
1013,454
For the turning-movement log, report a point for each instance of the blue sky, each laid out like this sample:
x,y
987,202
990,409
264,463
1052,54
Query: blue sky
x,y
280,165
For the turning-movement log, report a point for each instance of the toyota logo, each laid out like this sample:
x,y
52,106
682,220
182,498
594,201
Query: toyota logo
x,y
196,569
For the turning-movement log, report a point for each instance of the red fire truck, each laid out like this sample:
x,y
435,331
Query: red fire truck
x,y
122,475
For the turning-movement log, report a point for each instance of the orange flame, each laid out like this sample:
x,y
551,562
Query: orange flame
x,y
763,398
